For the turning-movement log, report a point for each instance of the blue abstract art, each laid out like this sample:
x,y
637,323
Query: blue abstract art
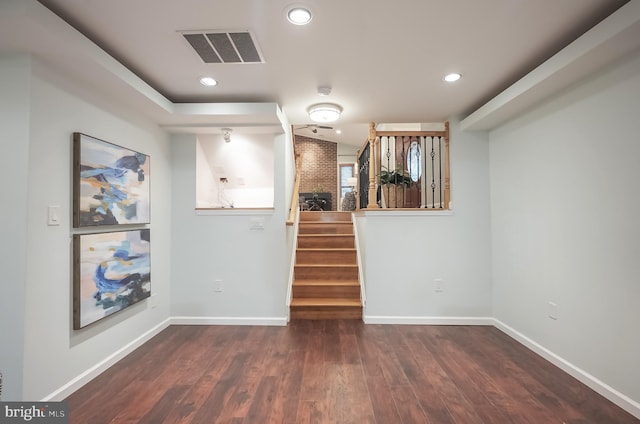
x,y
111,184
112,271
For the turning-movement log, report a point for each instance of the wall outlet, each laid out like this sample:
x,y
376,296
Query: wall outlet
x,y
438,285
217,286
553,310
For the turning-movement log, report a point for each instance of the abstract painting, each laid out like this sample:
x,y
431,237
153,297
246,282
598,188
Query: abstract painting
x,y
111,184
111,272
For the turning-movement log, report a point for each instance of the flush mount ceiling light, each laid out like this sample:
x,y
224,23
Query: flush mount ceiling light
x,y
208,81
324,112
452,77
299,15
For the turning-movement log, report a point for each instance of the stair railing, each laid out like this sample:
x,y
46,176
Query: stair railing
x,y
404,169
295,196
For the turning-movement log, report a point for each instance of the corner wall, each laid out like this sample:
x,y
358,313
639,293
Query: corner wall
x,y
565,186
405,254
14,141
55,354
225,245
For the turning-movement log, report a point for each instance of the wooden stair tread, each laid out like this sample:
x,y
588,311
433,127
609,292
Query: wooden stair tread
x,y
325,302
320,266
325,235
326,222
326,283
326,249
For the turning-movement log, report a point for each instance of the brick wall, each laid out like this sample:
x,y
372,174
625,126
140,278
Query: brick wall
x,y
319,167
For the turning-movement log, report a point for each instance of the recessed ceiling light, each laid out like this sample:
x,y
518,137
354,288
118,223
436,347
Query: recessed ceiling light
x,y
299,15
453,77
338,132
324,112
208,81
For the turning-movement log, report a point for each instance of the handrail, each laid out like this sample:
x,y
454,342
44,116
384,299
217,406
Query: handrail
x,y
294,196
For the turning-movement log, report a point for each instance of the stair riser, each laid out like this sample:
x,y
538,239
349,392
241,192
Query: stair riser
x,y
330,241
326,313
326,257
302,272
324,216
316,228
330,292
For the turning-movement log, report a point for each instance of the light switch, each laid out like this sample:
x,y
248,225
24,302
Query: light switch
x,y
53,215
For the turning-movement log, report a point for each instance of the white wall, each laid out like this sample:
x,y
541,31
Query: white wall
x,y
252,264
404,255
246,162
14,141
54,354
565,196
206,188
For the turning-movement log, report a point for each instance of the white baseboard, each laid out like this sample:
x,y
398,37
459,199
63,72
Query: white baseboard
x,y
105,364
584,377
277,321
380,319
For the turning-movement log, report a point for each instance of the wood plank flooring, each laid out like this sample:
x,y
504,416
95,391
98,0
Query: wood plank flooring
x,y
337,371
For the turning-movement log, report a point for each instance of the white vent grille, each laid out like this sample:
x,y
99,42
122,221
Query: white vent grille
x,y
224,47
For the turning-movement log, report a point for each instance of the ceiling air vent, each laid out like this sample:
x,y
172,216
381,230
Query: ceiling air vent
x,y
224,47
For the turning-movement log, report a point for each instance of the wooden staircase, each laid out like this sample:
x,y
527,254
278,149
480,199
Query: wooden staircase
x,y
326,284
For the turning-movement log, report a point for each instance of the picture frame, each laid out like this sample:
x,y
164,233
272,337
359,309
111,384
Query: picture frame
x,y
111,271
111,184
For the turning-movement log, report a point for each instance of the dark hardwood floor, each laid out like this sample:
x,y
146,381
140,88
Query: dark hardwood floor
x,y
337,371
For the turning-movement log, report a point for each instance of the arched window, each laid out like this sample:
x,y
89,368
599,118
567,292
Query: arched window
x,y
414,161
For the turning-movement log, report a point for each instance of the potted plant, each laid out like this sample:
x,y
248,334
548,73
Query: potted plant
x,y
393,185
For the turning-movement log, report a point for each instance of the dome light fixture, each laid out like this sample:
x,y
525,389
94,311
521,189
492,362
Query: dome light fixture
x,y
299,15
208,81
452,77
324,112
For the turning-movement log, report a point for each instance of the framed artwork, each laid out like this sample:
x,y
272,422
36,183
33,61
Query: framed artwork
x,y
110,184
112,271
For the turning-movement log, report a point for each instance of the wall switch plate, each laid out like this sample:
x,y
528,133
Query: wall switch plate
x,y
53,215
217,286
438,285
257,224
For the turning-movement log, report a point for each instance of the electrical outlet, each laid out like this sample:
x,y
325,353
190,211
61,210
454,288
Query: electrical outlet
x,y
438,285
553,310
217,286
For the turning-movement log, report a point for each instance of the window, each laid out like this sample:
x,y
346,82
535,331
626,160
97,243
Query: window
x,y
347,173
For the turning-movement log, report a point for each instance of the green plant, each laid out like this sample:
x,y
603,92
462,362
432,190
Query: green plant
x,y
397,177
